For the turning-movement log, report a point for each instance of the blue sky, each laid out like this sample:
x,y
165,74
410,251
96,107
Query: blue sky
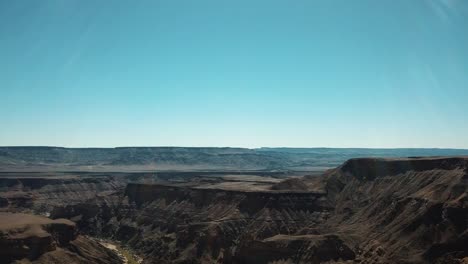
x,y
299,73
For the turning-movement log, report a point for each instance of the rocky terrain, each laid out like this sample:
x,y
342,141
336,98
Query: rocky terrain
x,y
368,210
41,194
402,210
28,238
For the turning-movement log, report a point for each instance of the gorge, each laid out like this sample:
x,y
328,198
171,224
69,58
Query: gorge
x,y
367,210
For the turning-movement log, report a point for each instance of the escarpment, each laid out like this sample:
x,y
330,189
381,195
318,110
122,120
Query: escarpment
x,y
412,210
247,201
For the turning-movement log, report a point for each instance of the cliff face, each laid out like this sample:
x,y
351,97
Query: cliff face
x,y
410,209
41,240
43,194
28,236
247,202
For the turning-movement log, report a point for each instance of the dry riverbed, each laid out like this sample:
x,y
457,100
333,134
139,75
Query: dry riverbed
x,y
124,254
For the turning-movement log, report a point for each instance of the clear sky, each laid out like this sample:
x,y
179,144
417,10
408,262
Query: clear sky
x,y
299,73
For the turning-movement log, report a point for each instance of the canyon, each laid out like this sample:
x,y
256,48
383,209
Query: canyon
x,y
366,210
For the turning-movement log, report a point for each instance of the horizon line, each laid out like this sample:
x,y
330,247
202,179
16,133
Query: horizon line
x,y
233,147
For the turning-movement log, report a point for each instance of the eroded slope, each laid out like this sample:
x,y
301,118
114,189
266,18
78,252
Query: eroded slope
x,y
402,210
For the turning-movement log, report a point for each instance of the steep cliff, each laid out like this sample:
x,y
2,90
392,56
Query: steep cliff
x,y
402,210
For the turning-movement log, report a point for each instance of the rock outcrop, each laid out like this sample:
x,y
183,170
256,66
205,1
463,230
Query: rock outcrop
x,y
402,210
31,238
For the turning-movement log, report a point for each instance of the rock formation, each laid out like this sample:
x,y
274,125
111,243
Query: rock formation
x,y
402,210
30,238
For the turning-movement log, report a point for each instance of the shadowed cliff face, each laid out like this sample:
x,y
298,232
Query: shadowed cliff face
x,y
417,171
369,168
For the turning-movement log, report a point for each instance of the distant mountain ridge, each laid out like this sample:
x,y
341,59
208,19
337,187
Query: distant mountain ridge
x,y
197,158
